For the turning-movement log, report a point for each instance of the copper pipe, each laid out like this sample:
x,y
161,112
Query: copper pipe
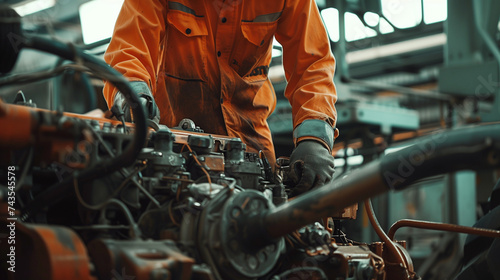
x,y
441,226
380,232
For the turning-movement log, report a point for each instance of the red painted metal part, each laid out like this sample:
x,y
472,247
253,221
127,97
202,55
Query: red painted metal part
x,y
16,124
49,252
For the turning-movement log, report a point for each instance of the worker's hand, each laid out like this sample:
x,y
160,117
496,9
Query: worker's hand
x,y
311,166
152,111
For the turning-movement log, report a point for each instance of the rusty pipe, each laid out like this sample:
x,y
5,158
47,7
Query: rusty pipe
x,y
390,245
472,148
314,205
441,226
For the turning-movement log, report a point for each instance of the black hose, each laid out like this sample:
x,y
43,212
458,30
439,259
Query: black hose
x,y
10,36
63,189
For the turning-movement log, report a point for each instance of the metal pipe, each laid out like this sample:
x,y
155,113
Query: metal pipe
x,y
473,148
322,202
396,254
441,226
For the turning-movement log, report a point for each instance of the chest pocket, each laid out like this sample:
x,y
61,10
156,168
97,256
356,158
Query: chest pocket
x,y
254,50
186,49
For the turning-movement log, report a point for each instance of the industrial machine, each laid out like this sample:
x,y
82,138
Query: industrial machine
x,y
85,197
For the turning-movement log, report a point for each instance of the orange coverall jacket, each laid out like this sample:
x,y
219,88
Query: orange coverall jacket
x,y
209,60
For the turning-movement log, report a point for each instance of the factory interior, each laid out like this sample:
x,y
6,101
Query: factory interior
x,y
416,188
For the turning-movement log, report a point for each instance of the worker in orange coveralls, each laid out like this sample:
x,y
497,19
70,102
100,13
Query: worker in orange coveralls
x,y
208,61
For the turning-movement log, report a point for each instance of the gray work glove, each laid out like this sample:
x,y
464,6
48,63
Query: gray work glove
x,y
311,166
145,97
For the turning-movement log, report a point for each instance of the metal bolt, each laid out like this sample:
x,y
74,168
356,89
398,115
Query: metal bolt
x,y
271,248
255,204
262,256
252,262
235,212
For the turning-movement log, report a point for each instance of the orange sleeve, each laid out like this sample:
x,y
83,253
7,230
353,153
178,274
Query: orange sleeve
x,y
308,62
135,48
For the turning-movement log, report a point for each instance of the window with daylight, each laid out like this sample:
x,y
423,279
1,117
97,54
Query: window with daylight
x,y
402,14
